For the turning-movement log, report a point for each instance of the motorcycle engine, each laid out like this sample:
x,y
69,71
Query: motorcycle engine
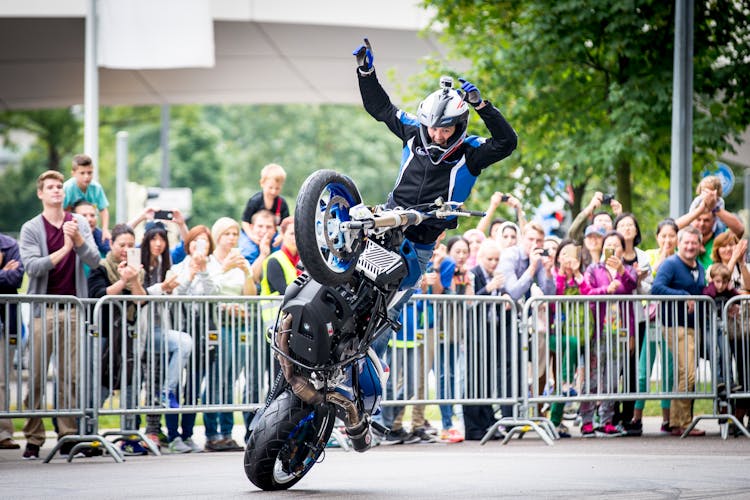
x,y
321,319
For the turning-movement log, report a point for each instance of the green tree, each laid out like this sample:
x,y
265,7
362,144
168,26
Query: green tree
x,y
58,130
588,86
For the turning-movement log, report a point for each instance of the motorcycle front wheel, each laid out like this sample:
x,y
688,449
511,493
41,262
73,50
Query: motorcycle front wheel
x,y
323,204
287,442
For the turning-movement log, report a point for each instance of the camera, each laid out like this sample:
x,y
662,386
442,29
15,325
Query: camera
x,y
607,199
446,82
544,252
164,215
504,197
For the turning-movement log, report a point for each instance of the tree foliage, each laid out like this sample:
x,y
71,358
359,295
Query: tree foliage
x,y
217,151
588,86
57,130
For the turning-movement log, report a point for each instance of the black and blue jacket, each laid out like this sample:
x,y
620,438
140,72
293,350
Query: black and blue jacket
x,y
419,181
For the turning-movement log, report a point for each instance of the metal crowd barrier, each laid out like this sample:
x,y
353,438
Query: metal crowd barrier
x,y
51,381
457,350
734,336
209,351
597,346
471,347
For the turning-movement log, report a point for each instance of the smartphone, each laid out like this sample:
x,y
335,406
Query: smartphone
x,y
164,215
608,252
504,197
607,199
201,246
134,257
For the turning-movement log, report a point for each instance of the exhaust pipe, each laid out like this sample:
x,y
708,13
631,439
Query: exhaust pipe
x,y
301,386
357,429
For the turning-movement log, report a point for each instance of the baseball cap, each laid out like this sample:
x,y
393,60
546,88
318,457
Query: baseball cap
x,y
597,230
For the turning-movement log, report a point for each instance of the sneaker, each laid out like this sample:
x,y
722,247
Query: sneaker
x,y
178,446
423,436
169,400
154,438
451,436
67,447
609,430
396,436
634,428
163,438
215,445
587,430
563,431
194,447
9,444
132,448
231,445
678,431
31,452
429,429
412,438
666,428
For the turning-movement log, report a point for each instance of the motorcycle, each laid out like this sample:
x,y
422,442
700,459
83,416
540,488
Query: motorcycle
x,y
358,264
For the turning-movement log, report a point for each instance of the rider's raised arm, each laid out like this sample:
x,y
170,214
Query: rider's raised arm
x,y
380,107
482,153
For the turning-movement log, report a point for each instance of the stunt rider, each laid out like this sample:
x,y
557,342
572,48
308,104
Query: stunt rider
x,y
438,159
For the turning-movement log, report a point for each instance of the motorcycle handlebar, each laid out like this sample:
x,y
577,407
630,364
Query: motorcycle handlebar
x,y
396,219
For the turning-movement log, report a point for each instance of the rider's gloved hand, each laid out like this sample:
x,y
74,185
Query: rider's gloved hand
x,y
364,56
471,93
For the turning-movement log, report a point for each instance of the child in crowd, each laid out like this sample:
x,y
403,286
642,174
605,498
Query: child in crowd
x,y
272,178
720,285
82,186
721,289
710,188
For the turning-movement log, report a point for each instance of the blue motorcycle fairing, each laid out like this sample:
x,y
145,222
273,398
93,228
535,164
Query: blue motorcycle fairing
x,y
370,383
412,265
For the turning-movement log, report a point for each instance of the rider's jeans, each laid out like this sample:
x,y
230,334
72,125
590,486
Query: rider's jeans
x,y
424,254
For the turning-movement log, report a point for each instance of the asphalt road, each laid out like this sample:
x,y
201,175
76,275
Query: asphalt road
x,y
652,466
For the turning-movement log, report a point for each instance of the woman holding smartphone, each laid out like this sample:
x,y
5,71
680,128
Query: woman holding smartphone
x,y
233,277
173,347
118,276
614,335
193,279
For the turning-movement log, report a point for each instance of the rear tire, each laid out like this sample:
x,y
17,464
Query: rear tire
x,y
286,442
323,202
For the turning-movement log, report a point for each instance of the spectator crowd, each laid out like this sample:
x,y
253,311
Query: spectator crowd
x,y
64,252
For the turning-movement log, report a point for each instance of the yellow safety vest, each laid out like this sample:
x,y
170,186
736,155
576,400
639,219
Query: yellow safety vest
x,y
269,309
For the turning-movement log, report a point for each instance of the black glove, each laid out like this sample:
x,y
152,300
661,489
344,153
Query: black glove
x,y
471,93
364,57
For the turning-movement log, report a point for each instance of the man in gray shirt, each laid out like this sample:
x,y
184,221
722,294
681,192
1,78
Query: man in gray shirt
x,y
54,245
522,266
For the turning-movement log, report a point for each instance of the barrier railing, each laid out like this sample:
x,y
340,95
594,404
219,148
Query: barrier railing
x,y
470,350
734,336
210,352
616,353
55,372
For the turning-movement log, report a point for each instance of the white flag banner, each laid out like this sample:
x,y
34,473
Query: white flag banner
x,y
155,34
